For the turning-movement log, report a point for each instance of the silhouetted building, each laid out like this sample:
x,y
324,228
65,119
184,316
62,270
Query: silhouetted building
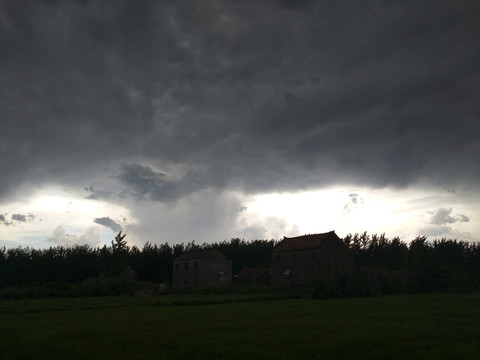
x,y
299,259
255,276
202,268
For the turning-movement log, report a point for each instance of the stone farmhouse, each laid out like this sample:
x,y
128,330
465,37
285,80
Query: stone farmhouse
x,y
202,268
297,260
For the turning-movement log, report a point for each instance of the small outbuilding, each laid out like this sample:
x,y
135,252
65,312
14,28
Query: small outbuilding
x,y
202,268
297,260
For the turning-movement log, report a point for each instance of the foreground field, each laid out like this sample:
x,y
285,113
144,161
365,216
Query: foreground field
x,y
432,326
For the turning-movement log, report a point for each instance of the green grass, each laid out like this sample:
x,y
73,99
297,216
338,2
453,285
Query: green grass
x,y
430,326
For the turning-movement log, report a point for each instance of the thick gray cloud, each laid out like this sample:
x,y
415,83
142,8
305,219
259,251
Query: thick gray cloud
x,y
444,216
4,221
441,225
156,101
23,217
15,219
109,223
94,193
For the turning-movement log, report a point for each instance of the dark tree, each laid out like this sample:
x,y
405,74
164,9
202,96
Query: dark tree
x,y
120,251
120,245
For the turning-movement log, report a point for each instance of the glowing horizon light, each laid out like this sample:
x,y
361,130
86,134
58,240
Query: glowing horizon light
x,y
405,213
53,208
349,210
305,209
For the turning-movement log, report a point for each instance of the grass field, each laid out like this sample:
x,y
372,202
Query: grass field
x,y
430,326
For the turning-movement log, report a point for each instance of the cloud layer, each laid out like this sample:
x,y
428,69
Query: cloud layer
x,y
155,102
257,95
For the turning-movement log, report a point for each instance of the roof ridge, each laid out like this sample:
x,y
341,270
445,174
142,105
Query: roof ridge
x,y
314,234
304,242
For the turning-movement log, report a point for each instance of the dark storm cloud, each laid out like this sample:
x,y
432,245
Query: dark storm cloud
x,y
257,96
144,181
109,223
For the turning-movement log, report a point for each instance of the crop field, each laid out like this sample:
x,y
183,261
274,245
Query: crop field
x,y
217,326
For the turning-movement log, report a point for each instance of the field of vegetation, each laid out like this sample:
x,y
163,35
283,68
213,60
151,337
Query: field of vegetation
x,y
242,326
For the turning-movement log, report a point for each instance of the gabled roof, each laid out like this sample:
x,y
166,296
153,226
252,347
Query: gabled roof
x,y
304,242
198,254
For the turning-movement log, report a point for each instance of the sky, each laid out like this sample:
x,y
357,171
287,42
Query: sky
x,y
209,120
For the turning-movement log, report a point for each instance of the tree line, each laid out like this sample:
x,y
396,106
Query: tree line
x,y
441,264
22,266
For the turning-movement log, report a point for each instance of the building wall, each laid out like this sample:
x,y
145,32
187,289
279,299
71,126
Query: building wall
x,y
255,276
208,270
299,267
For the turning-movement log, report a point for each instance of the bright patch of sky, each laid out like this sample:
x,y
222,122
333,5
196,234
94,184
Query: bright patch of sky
x,y
403,213
56,217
